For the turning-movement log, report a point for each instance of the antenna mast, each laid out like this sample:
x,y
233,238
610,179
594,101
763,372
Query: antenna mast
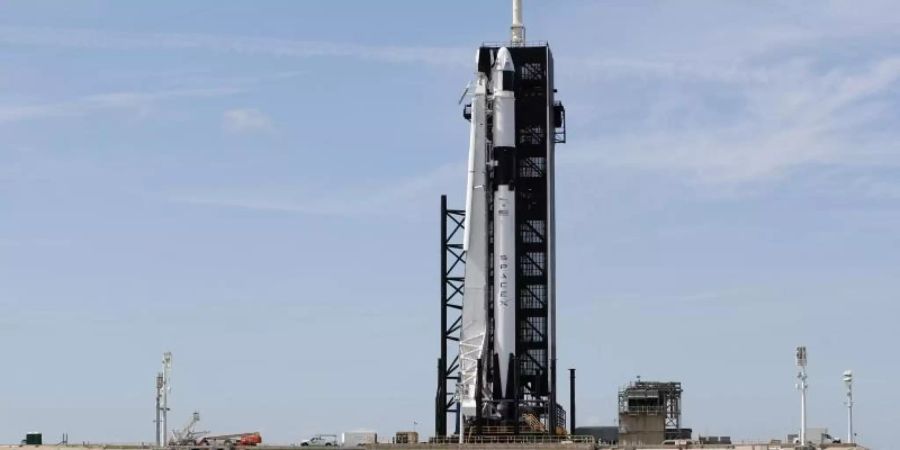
x,y
163,386
517,30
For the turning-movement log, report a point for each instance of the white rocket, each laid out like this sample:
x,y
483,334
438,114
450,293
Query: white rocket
x,y
504,152
477,295
473,334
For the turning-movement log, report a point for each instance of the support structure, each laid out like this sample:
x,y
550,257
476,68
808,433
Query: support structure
x,y
452,265
158,421
802,386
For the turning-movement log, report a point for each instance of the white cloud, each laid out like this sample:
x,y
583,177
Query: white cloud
x,y
97,39
136,100
246,120
798,118
777,99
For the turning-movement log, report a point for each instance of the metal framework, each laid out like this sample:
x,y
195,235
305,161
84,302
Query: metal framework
x,y
163,387
653,398
452,275
535,140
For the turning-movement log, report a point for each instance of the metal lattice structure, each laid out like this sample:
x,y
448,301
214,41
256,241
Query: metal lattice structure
x,y
653,398
452,269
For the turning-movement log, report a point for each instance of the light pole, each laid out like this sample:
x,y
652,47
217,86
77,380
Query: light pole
x,y
801,386
848,381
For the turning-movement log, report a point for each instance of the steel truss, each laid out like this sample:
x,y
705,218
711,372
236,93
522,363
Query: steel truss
x,y
453,263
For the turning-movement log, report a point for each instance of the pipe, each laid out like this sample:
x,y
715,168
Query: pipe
x,y
517,30
553,417
517,12
572,401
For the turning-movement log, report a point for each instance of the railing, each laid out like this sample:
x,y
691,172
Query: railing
x,y
510,44
514,439
652,410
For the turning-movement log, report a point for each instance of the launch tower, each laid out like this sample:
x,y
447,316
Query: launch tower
x,y
498,302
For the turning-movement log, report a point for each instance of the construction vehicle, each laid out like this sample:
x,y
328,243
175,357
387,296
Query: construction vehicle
x,y
251,439
190,437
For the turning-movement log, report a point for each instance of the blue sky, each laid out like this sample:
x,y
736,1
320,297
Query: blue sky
x,y
254,187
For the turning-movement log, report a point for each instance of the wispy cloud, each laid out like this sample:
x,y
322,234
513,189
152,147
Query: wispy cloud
x,y
265,46
783,109
246,120
134,100
799,118
737,100
400,198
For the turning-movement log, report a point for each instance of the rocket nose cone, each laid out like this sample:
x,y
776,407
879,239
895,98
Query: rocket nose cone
x,y
504,60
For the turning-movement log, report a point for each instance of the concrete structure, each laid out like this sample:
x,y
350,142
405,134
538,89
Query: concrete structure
x,y
641,429
649,412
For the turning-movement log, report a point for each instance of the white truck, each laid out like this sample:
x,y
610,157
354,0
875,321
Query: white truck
x,y
321,440
348,439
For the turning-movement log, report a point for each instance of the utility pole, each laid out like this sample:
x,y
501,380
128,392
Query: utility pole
x,y
848,381
801,386
157,422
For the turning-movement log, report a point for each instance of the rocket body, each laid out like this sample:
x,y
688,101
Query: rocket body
x,y
476,291
504,166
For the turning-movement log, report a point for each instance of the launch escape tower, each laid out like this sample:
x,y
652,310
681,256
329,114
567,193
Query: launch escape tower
x,y
496,370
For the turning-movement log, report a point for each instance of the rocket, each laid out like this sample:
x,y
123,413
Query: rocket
x,y
504,174
476,292
491,181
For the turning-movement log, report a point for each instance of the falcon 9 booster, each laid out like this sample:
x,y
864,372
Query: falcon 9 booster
x,y
504,165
